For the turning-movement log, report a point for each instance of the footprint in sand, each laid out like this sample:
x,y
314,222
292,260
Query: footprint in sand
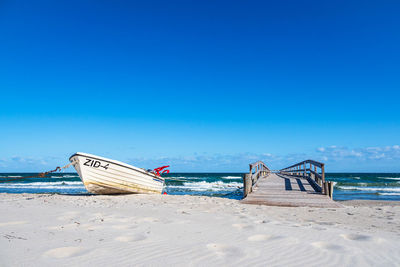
x,y
131,238
380,240
261,221
355,237
242,226
124,226
64,252
12,223
318,228
261,237
325,223
148,219
90,226
223,250
70,215
327,246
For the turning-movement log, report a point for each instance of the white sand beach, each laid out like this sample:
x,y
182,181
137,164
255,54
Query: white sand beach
x,y
165,230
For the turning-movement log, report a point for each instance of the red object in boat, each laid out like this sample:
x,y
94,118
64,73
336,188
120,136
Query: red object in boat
x,y
159,169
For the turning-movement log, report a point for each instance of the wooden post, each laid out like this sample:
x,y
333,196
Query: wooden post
x,y
324,184
247,184
330,189
326,188
315,173
305,170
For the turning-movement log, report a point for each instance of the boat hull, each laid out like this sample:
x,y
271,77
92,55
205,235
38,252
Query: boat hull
x,y
104,176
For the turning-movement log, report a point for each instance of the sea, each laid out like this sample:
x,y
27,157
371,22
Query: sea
x,y
348,186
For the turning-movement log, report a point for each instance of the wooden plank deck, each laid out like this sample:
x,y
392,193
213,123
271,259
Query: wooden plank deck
x,y
288,191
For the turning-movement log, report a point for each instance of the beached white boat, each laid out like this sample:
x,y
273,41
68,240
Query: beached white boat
x,y
106,176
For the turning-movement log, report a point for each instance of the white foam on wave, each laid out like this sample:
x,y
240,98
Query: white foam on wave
x,y
187,178
178,178
206,186
389,194
70,176
63,176
391,178
231,177
375,189
43,185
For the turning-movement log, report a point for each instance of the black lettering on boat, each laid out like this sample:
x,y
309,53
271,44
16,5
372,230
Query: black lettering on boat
x,y
105,166
97,164
87,162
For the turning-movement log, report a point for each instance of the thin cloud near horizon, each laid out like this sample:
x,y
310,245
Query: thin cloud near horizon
x,y
336,158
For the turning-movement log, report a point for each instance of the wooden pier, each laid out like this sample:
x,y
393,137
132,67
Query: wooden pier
x,y
300,185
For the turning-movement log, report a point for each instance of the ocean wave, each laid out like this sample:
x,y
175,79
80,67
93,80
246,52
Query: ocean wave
x,y
375,189
391,178
206,186
187,178
40,184
389,194
231,177
43,187
180,179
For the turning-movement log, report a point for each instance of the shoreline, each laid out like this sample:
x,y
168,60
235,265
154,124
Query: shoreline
x,y
349,202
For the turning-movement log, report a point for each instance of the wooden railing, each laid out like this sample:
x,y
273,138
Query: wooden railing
x,y
257,170
312,170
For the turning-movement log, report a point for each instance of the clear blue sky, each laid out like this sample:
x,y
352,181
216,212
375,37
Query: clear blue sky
x,y
200,85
